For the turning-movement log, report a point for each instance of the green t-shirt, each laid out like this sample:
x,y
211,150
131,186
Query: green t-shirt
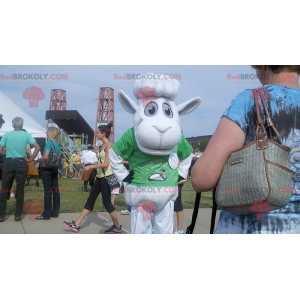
x,y
56,146
16,142
150,170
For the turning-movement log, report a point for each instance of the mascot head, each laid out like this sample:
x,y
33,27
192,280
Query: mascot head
x,y
155,115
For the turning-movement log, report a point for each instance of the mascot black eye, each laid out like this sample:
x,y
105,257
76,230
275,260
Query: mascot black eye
x,y
151,109
167,110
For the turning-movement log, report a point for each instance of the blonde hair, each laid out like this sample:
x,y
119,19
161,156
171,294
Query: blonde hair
x,y
55,135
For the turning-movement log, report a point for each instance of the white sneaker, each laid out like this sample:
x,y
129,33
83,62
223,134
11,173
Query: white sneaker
x,y
179,231
125,212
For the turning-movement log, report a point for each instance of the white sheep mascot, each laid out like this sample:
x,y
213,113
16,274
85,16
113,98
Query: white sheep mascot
x,y
156,150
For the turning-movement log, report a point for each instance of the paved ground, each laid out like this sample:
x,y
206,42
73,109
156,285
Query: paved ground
x,y
95,223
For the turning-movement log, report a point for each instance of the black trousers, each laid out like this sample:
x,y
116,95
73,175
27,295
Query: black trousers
x,y
13,169
100,186
178,204
50,181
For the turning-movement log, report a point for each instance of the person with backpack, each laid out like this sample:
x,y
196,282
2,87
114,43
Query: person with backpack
x,y
50,176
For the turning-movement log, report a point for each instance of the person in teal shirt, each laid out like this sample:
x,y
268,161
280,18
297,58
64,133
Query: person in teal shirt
x,y
15,165
50,176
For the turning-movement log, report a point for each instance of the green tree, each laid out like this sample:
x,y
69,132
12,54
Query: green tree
x,y
202,144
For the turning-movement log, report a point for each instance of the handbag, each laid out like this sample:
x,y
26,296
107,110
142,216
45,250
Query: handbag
x,y
53,161
256,178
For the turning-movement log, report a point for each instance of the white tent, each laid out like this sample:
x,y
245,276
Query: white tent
x,y
10,110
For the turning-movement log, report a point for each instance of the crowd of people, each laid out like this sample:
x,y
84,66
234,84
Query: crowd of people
x,y
22,160
113,165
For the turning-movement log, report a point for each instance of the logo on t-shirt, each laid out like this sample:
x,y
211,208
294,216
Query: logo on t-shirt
x,y
161,175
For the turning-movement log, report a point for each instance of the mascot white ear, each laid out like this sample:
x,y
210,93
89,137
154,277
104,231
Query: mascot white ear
x,y
128,104
188,106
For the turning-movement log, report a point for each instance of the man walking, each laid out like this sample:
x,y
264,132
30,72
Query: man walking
x,y
15,165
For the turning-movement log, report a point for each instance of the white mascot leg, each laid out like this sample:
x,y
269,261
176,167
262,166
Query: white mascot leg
x,y
163,219
139,224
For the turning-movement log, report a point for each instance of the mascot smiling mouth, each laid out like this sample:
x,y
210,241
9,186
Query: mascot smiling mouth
x,y
162,175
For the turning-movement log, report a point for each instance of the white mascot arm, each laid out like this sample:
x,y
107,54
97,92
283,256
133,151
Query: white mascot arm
x,y
116,163
184,165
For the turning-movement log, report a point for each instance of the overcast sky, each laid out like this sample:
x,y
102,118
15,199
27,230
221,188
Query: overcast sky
x,y
83,83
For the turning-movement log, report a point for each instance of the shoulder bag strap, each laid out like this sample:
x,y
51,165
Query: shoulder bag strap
x,y
270,123
53,148
261,142
106,146
101,163
105,154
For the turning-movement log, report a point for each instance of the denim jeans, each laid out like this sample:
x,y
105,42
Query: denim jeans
x,y
50,181
13,169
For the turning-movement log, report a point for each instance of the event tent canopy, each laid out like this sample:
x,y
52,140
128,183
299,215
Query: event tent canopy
x,y
71,121
10,110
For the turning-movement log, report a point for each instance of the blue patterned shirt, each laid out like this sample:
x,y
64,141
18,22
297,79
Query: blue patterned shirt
x,y
284,106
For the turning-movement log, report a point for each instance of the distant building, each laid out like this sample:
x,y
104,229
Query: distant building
x,y
194,141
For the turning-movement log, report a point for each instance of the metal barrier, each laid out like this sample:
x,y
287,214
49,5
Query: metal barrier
x,y
67,155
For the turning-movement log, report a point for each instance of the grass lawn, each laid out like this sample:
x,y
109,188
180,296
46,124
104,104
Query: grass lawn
x,y
73,197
